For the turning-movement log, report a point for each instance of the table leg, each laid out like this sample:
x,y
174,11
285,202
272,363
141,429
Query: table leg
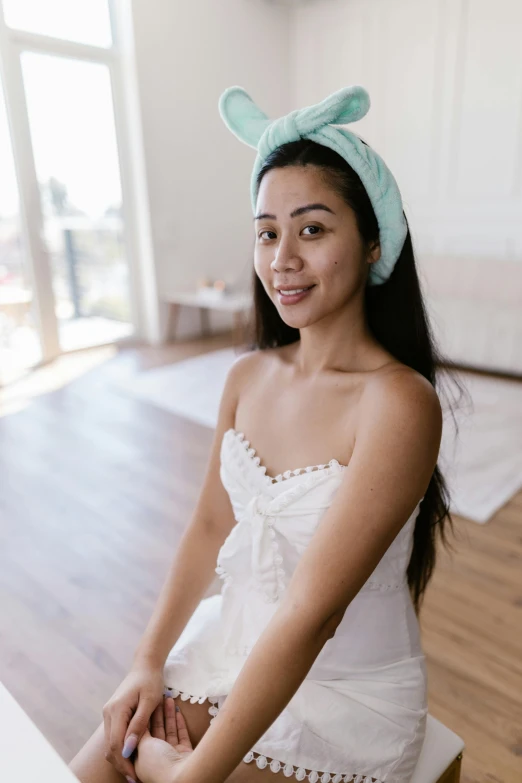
x,y
204,319
172,320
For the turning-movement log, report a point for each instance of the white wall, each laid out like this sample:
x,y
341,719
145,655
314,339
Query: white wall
x,y
445,81
198,173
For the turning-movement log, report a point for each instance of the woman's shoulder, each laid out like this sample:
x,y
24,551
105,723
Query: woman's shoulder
x,y
246,362
246,365
251,360
403,378
398,389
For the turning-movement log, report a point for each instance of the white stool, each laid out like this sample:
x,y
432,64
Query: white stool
x,y
441,755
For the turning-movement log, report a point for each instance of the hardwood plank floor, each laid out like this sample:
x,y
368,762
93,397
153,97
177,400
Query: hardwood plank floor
x,y
96,488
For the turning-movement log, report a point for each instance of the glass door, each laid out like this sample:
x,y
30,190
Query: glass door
x,y
74,144
61,69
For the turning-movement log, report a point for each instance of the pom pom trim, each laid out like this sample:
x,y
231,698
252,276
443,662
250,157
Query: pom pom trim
x,y
300,773
275,765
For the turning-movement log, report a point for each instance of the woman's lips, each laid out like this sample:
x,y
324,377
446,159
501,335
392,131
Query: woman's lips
x,y
288,299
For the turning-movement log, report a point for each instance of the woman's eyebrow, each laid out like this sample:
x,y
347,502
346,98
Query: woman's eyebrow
x,y
298,211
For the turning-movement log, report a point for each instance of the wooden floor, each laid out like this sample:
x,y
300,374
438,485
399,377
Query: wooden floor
x,y
95,490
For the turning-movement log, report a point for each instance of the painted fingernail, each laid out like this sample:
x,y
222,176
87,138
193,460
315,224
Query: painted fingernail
x,y
177,708
131,780
130,746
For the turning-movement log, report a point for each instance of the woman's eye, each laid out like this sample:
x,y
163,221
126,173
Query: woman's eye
x,y
264,232
267,231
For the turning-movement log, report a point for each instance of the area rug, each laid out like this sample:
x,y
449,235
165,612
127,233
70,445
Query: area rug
x,y
482,464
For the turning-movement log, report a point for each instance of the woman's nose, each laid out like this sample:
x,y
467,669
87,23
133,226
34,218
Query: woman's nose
x,y
286,257
282,265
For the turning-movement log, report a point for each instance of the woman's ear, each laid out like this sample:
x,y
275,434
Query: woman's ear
x,y
374,251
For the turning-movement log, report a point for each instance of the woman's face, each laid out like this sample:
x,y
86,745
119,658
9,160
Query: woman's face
x,y
306,235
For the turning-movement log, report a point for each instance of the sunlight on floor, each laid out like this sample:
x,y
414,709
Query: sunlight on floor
x,y
50,377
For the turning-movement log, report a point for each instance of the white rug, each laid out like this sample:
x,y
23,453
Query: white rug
x,y
483,466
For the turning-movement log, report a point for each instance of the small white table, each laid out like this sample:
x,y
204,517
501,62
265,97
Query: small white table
x,y
236,302
25,754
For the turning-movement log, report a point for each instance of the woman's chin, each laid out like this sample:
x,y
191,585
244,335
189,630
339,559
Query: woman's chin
x,y
296,323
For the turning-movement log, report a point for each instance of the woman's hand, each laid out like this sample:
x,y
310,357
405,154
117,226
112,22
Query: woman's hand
x,y
165,747
127,713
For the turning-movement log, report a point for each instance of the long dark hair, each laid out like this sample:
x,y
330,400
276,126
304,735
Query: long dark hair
x,y
397,317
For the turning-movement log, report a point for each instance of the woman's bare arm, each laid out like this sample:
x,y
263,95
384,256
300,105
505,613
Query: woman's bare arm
x,y
192,568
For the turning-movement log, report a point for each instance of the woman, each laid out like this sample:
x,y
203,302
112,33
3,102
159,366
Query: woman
x,y
309,660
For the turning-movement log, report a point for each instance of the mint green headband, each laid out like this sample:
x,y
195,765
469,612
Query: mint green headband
x,y
349,104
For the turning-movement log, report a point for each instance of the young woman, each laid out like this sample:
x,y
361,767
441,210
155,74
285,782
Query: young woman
x,y
321,504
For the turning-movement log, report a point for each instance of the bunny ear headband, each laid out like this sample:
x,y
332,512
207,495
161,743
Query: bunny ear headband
x,y
349,104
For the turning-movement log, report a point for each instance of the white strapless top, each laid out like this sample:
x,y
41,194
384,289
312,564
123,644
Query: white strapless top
x,y
360,713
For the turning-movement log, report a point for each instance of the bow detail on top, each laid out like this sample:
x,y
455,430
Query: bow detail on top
x,y
252,126
254,533
250,553
265,560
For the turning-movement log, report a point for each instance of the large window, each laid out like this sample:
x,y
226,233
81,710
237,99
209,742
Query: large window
x,y
64,261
